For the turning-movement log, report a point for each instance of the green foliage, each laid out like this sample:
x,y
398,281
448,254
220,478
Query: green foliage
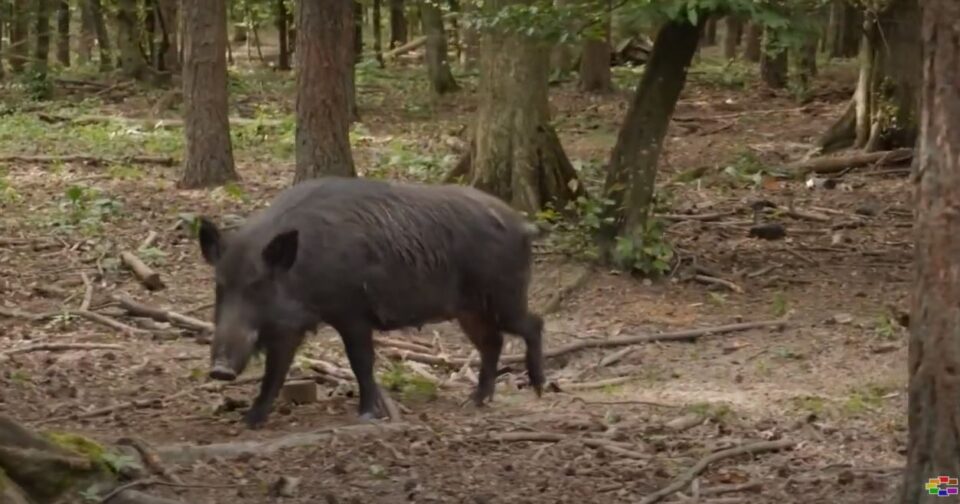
x,y
779,305
37,86
746,169
84,208
8,194
646,252
573,229
729,74
399,378
407,160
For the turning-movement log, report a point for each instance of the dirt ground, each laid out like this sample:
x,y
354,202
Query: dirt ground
x,y
832,381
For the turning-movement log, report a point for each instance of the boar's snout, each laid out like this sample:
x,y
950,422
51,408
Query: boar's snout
x,y
222,373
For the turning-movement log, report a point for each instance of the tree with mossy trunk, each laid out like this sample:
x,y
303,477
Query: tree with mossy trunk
x,y
438,67
516,153
933,403
883,112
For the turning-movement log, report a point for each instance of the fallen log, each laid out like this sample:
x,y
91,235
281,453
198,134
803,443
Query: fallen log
x,y
405,48
147,276
836,164
88,159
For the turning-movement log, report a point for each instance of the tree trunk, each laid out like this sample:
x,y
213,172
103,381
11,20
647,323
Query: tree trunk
x,y
933,406
470,40
851,35
103,37
752,39
806,58
441,78
167,18
4,14
87,34
632,171
150,29
19,46
41,55
208,159
398,24
773,67
128,38
517,154
357,31
731,36
709,37
378,32
63,33
835,28
324,60
595,76
887,95
280,13
455,28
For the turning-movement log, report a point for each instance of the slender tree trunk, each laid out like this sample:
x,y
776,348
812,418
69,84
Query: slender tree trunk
x,y
752,42
851,35
470,40
4,15
378,32
208,157
441,78
595,74
933,406
357,31
517,154
835,28
280,13
632,171
168,20
41,55
863,95
150,29
103,37
398,24
731,36
19,46
806,58
63,32
773,67
87,34
709,37
128,37
455,29
324,59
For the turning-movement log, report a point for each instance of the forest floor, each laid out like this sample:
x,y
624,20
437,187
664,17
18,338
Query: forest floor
x,y
833,381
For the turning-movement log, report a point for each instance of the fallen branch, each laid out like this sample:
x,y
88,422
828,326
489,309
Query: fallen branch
x,y
149,278
141,310
389,405
35,244
149,458
188,453
687,336
147,123
697,217
402,345
750,486
405,48
838,164
52,347
609,382
87,159
89,315
683,480
706,279
548,437
88,292
156,482
616,357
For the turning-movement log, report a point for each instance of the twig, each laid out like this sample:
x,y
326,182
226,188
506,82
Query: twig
x,y
697,217
149,240
687,335
749,486
548,437
89,315
707,279
684,479
150,458
141,310
156,482
388,404
615,357
609,382
51,347
402,345
87,294
149,278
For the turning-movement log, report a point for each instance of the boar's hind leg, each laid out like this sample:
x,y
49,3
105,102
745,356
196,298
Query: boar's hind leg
x,y
529,326
489,342
358,342
280,352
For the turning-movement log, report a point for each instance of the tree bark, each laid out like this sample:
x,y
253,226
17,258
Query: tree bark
x,y
357,31
19,46
731,36
378,32
150,29
41,55
632,169
773,62
103,37
4,14
168,20
63,33
128,38
752,40
933,406
280,13
208,159
806,58
709,37
518,156
398,24
87,34
595,76
851,36
324,60
441,78
469,41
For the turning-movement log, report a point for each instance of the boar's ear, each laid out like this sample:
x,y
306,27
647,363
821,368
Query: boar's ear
x,y
281,252
211,244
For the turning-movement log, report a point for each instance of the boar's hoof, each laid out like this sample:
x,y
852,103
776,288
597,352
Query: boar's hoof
x,y
255,418
222,373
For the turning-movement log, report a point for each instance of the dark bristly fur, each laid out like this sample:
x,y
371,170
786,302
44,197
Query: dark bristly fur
x,y
363,255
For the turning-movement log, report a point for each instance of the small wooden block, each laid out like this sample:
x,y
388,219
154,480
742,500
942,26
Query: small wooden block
x,y
299,392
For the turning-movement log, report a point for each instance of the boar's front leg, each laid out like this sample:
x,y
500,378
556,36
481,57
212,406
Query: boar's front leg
x,y
358,342
280,349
